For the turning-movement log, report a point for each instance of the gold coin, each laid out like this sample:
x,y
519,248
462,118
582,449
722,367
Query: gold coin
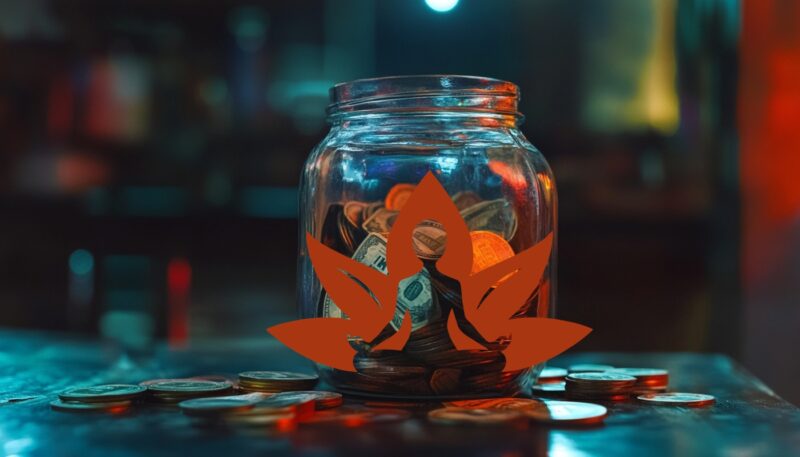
x,y
501,403
488,248
453,415
398,196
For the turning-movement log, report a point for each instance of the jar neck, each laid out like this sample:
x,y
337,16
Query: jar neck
x,y
429,120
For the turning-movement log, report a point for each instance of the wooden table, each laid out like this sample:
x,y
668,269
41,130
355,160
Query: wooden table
x,y
748,419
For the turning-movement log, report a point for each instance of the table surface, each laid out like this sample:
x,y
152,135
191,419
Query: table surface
x,y
747,420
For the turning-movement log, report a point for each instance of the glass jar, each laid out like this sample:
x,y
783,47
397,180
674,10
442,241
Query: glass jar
x,y
386,135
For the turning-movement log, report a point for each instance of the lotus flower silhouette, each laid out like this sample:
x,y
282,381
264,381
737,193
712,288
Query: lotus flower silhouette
x,y
490,297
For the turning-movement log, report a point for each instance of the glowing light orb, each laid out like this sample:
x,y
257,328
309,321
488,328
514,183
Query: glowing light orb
x,y
441,6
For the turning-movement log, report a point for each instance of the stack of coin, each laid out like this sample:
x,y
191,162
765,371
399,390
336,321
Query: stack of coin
x,y
429,364
589,368
107,398
647,379
552,375
177,390
276,381
606,386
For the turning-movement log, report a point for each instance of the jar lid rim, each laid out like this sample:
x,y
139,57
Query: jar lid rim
x,y
348,96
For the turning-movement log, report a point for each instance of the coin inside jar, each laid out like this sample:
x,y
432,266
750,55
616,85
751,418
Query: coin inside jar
x,y
488,248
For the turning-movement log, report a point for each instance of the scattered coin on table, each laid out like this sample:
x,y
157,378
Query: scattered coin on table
x,y
606,386
567,413
221,405
647,379
176,391
276,381
76,406
549,389
102,393
677,399
505,403
452,415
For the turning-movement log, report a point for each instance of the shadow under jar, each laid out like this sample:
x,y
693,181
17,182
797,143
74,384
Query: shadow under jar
x,y
386,135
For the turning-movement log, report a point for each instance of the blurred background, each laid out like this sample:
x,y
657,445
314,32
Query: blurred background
x,y
150,153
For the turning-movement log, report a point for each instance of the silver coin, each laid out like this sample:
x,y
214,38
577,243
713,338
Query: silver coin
x,y
549,388
641,372
322,399
221,405
589,367
189,387
277,376
552,372
74,406
600,377
677,399
556,411
103,393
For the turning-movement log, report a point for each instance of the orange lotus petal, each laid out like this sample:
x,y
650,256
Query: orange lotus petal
x,y
490,316
323,340
536,339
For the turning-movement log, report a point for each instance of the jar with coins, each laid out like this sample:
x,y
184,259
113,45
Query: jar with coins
x,y
450,147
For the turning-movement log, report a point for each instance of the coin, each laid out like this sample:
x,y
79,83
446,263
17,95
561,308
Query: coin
x,y
453,415
589,367
398,196
75,406
280,376
221,405
551,374
103,393
429,239
488,249
354,211
322,399
549,389
503,403
356,417
276,381
567,412
647,379
495,216
677,399
189,388
281,421
599,386
300,406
